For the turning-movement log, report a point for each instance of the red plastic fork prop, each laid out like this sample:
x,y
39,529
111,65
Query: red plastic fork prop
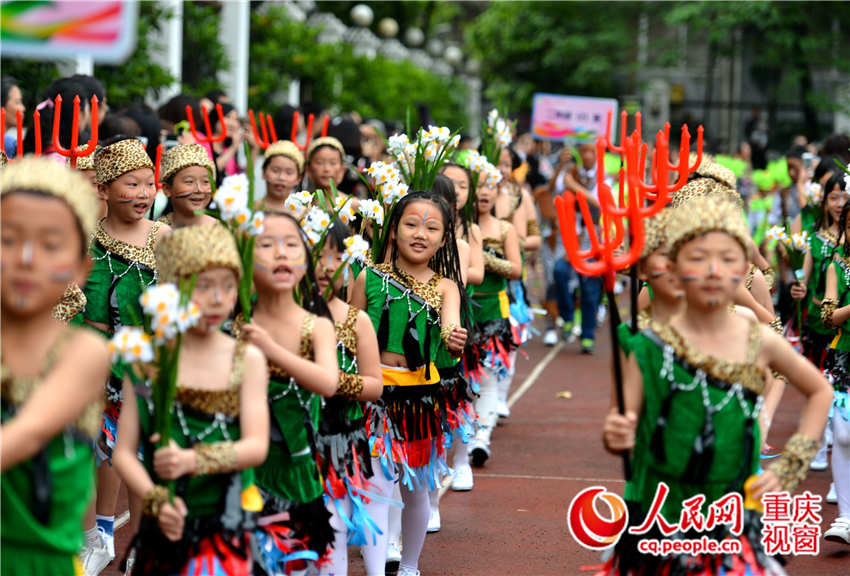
x,y
157,165
606,256
19,118
74,151
310,118
208,138
266,128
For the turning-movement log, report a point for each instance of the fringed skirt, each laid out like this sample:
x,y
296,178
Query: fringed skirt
x,y
345,460
405,427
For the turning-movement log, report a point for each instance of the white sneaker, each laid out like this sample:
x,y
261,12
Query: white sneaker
x,y
502,409
109,541
550,338
96,557
839,531
832,497
393,552
462,479
434,521
820,461
406,572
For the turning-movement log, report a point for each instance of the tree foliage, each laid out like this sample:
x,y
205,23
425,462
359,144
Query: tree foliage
x,y
282,49
563,47
133,80
203,53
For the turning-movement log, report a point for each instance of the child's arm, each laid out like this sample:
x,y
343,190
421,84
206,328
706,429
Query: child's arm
x,y
357,297
512,253
533,239
463,258
789,469
132,471
75,382
475,272
319,375
744,298
618,432
368,359
454,336
833,316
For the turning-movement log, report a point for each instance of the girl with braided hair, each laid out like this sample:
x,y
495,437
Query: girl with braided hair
x,y
414,298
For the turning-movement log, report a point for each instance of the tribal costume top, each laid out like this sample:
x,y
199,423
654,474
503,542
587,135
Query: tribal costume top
x,y
289,478
405,423
698,433
45,498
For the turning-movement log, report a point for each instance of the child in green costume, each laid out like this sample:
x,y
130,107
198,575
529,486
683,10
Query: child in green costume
x,y
219,424
692,393
52,374
124,266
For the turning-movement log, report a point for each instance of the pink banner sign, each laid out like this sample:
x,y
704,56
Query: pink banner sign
x,y
103,30
573,118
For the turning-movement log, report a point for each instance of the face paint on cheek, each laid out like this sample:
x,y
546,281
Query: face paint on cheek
x,y
125,198
61,275
736,278
690,276
657,272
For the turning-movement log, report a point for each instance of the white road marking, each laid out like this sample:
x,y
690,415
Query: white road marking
x,y
535,374
561,478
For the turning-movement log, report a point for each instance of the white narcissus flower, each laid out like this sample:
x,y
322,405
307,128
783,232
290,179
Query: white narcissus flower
x,y
814,192
160,298
775,233
242,218
356,248
372,210
255,224
432,151
847,181
491,175
492,117
293,206
393,192
317,220
313,237
303,197
131,345
188,316
232,196
397,144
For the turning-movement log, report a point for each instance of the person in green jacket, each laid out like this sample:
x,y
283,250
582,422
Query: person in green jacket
x,y
52,374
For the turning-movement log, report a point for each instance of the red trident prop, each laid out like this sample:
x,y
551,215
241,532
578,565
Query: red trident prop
x,y
266,128
74,151
606,257
208,138
20,124
310,119
156,167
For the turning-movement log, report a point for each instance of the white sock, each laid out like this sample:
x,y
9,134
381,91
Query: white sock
x,y
841,463
92,536
414,524
337,564
394,524
461,456
434,499
375,555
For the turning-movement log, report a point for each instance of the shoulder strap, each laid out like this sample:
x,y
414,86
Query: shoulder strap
x,y
503,230
753,341
307,336
351,319
152,235
237,369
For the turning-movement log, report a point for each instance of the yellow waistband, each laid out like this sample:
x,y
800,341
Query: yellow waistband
x,y
403,377
504,304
